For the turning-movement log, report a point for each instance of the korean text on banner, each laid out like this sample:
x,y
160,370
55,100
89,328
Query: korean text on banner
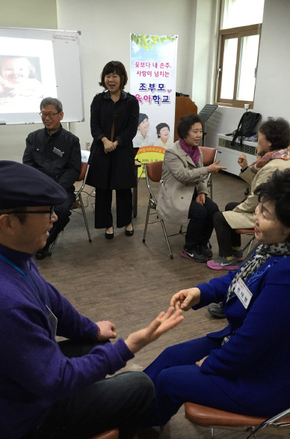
x,y
153,82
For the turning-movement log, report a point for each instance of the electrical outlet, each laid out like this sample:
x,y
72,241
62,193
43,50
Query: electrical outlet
x,y
88,145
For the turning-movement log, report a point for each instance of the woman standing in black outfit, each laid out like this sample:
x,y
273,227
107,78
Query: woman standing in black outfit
x,y
114,122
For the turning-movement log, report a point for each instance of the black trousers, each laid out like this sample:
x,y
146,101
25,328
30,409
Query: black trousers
x,y
63,213
200,226
103,208
226,236
121,401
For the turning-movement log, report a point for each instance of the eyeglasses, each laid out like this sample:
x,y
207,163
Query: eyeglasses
x,y
50,211
50,114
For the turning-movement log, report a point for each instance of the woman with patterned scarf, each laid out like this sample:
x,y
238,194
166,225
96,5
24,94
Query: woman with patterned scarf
x,y
245,367
273,153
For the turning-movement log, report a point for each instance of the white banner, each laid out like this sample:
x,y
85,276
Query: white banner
x,y
153,82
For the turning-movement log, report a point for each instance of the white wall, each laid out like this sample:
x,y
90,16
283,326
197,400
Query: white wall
x,y
106,28
273,84
272,97
40,14
204,56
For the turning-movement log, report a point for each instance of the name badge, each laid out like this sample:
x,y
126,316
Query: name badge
x,y
58,151
52,319
243,293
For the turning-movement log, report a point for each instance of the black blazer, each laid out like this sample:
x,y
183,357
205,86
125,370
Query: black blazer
x,y
114,170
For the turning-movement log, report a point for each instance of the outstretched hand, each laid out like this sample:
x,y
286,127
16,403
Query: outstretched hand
x,y
165,321
215,167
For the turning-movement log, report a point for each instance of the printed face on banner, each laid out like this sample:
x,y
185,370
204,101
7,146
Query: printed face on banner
x,y
153,83
26,74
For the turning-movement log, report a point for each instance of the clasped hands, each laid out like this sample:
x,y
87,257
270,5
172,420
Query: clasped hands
x,y
109,146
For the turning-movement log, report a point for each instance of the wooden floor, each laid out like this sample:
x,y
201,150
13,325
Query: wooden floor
x,y
129,283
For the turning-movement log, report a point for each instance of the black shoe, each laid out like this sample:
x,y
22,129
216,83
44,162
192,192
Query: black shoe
x,y
129,232
109,235
42,253
194,255
205,249
217,311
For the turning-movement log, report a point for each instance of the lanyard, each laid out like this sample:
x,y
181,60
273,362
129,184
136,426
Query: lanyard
x,y
24,275
51,317
16,268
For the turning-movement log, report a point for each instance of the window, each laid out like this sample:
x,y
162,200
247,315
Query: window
x,y
239,38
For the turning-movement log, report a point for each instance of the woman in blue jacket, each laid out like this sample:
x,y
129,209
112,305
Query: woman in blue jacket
x,y
245,367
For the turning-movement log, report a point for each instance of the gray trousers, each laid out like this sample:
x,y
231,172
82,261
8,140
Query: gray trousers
x,y
121,401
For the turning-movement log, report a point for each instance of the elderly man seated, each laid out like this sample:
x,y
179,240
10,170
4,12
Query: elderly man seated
x,y
50,389
56,152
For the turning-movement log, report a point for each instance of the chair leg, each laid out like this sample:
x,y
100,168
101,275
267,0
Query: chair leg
x,y
163,228
85,217
146,221
166,238
249,244
51,248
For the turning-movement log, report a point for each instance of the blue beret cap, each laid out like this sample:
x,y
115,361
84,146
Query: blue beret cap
x,y
22,185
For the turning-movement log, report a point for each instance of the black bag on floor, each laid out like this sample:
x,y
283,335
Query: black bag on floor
x,y
246,126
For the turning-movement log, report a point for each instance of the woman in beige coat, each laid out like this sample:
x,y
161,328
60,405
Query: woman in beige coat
x,y
273,153
182,197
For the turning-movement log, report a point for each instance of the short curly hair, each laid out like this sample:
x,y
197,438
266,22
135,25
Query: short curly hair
x,y
186,122
277,189
277,132
114,67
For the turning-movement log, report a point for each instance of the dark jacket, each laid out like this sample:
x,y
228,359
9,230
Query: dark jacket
x,y
114,170
58,155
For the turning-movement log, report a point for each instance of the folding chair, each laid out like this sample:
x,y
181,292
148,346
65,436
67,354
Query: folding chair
x,y
153,172
214,418
209,156
78,204
249,244
110,434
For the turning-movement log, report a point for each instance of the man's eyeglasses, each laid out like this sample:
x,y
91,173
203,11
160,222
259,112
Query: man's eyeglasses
x,y
50,211
50,114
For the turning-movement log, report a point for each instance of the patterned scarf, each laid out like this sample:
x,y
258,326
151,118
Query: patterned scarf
x,y
263,253
283,154
193,152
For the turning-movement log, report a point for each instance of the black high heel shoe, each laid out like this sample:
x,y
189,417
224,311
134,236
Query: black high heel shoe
x,y
109,235
129,232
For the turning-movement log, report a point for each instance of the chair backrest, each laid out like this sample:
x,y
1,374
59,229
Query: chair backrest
x,y
209,155
83,171
82,177
154,170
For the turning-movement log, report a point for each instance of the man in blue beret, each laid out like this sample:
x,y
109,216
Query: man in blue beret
x,y
56,152
49,389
